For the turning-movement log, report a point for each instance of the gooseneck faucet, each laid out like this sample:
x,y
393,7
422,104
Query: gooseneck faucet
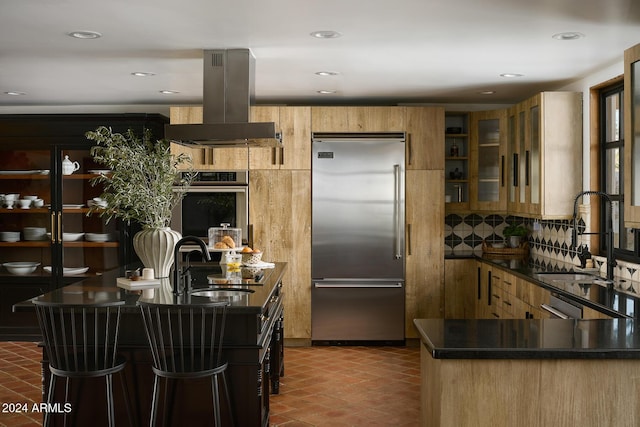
x,y
177,274
611,262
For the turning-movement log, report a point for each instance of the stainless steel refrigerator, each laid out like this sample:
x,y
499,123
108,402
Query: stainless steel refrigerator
x,y
357,268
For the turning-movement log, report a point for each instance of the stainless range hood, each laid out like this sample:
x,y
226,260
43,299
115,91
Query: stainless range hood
x,y
229,76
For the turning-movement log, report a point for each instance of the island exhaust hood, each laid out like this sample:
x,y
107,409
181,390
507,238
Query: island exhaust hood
x,y
229,76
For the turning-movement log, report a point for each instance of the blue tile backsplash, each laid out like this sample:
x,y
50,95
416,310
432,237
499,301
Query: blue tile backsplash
x,y
549,241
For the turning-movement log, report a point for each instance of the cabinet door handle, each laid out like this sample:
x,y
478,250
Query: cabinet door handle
x,y
53,227
408,239
59,237
409,150
274,156
489,288
204,156
527,168
516,169
502,171
282,156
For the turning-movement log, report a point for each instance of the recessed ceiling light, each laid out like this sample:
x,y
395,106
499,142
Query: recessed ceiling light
x,y
85,35
326,92
510,75
568,35
487,92
327,73
142,74
169,92
326,34
15,93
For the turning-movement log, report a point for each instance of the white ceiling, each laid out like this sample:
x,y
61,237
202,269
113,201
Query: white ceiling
x,y
428,51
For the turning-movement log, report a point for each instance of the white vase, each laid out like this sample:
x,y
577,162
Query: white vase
x,y
155,247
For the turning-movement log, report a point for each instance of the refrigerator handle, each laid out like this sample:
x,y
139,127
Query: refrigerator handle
x,y
398,201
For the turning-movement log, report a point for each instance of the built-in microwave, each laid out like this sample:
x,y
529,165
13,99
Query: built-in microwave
x,y
214,198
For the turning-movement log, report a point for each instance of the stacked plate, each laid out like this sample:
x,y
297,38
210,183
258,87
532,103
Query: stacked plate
x,y
34,233
97,237
10,236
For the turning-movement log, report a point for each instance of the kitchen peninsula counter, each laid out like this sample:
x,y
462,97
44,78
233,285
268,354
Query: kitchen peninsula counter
x,y
529,372
253,346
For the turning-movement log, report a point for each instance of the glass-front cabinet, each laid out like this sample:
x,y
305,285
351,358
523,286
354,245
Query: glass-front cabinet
x,y
632,137
544,139
49,236
487,185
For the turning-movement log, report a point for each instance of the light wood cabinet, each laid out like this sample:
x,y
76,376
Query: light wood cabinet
x,y
632,137
460,285
207,158
487,168
294,124
545,138
425,133
358,119
280,212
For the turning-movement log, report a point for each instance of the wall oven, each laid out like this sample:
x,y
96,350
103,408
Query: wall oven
x,y
214,198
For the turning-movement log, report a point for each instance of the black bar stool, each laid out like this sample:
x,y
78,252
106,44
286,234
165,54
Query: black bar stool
x,y
186,343
81,341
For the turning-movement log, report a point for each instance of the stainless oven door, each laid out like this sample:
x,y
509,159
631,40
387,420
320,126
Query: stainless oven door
x,y
206,206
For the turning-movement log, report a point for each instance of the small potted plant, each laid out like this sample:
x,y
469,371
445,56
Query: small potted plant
x,y
144,185
514,234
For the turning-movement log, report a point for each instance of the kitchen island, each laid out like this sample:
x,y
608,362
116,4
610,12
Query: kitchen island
x,y
253,347
529,372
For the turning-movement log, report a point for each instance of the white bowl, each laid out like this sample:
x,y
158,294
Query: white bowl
x,y
10,236
72,237
21,268
30,197
34,233
97,237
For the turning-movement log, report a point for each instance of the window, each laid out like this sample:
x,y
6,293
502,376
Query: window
x,y
612,172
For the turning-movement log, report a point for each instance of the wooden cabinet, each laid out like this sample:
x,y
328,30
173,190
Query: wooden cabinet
x,y
280,214
545,142
207,158
294,123
425,136
487,168
460,285
60,235
475,161
358,119
632,137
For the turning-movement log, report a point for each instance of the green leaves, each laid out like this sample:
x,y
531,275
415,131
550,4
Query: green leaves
x,y
144,184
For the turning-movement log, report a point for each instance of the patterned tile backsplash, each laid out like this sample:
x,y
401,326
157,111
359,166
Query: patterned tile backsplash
x,y
549,241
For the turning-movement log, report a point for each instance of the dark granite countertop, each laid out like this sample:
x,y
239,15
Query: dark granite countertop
x,y
103,289
622,300
530,339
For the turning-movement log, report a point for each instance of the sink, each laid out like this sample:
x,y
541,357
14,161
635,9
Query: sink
x,y
221,293
567,277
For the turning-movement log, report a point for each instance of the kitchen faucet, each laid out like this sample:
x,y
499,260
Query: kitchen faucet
x,y
611,262
178,275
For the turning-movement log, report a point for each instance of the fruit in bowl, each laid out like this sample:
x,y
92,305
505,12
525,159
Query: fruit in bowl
x,y
251,256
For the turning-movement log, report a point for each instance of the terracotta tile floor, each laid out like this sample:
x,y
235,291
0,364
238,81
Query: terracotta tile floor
x,y
348,386
20,382
322,386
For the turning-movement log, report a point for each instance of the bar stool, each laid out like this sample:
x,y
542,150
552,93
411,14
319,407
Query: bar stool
x,y
81,341
186,343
